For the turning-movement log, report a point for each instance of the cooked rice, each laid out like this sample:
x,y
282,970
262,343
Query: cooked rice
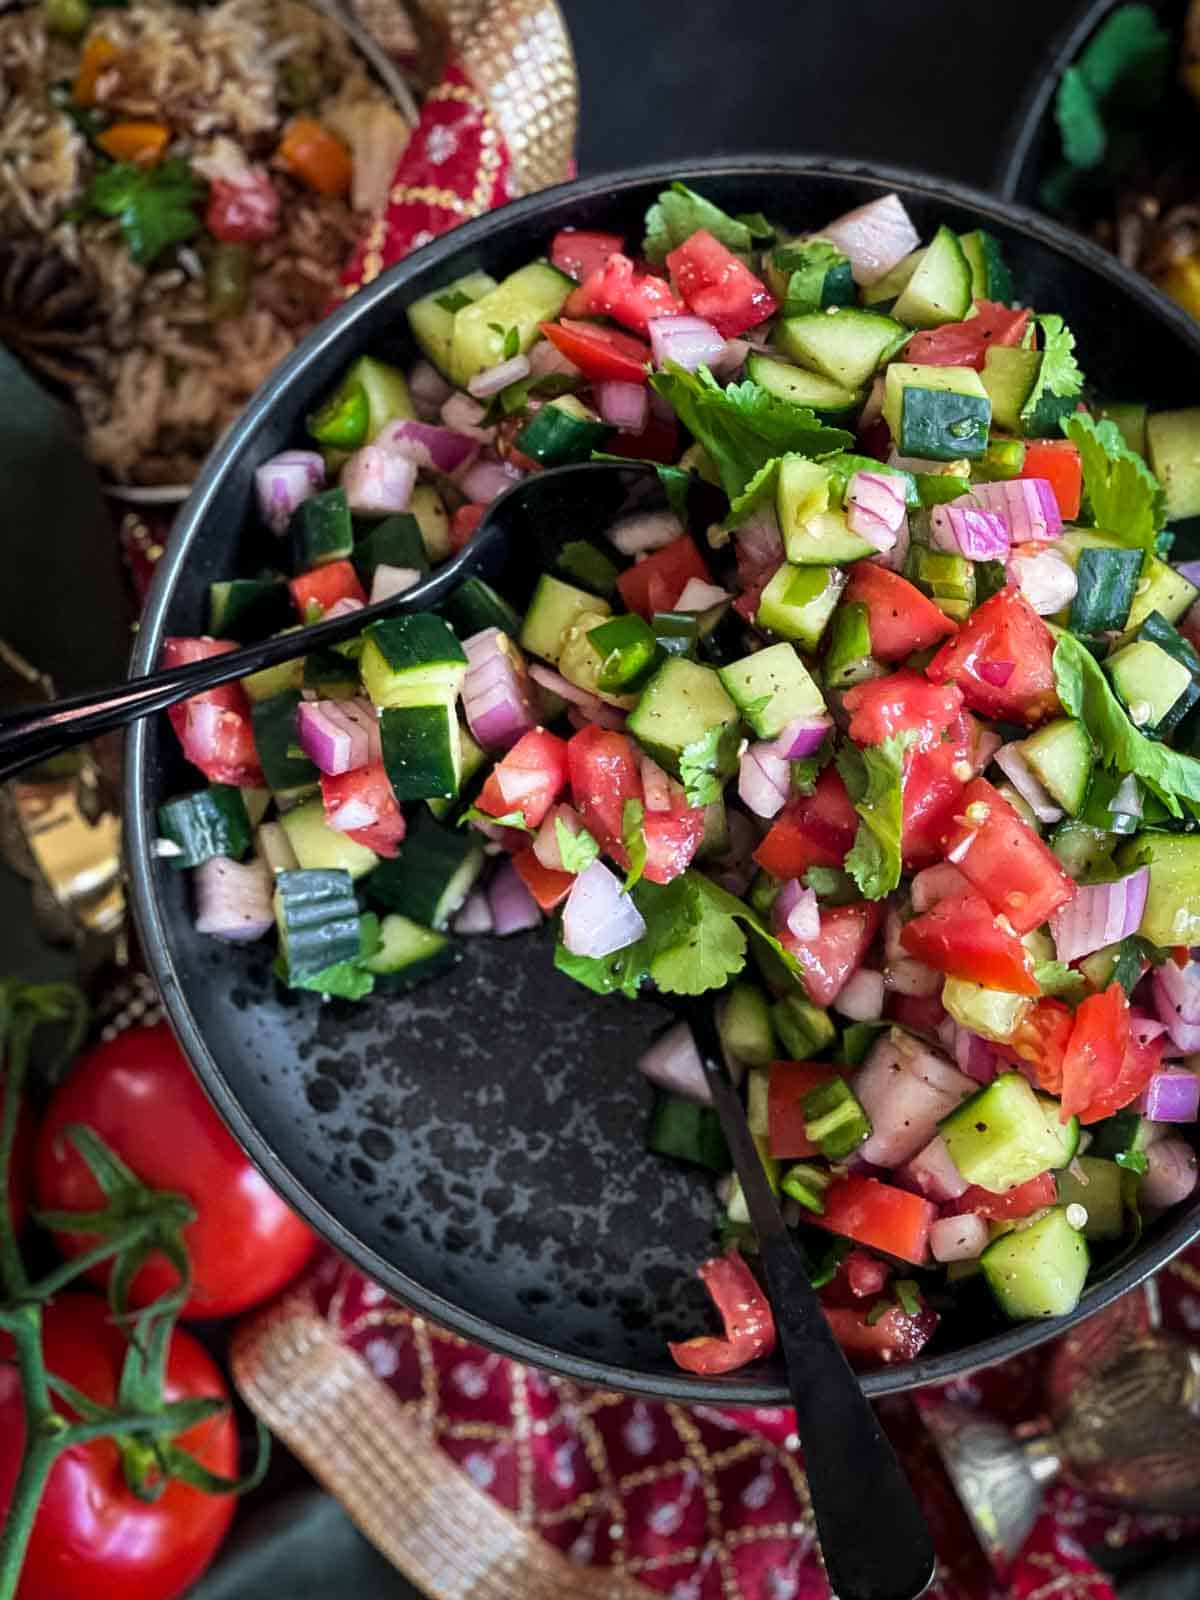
x,y
169,378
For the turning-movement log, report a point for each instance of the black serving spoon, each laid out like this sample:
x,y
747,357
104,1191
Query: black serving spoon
x,y
874,1539
521,535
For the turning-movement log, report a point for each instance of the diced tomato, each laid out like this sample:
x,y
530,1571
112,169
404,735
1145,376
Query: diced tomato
x,y
900,618
878,1341
880,1216
619,291
214,726
672,839
1039,1046
1022,1201
865,1274
325,586
1138,1065
816,830
245,210
1105,1068
903,702
464,525
1056,460
657,582
966,344
934,780
962,938
1001,855
605,775
718,286
529,779
658,441
600,353
1003,633
745,1312
919,1013
547,886
364,793
579,252
837,952
787,1085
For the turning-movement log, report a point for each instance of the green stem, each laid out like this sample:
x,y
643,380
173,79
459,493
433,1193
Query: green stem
x,y
42,1445
12,1268
54,1281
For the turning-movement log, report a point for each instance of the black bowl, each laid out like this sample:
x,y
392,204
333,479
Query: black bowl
x,y
477,1147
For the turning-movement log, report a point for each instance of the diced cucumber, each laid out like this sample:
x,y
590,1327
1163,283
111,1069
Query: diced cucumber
x,y
940,289
527,297
682,708
412,660
319,921
211,822
1009,375
1095,1184
1172,913
804,1030
936,413
993,1013
800,387
553,609
581,562
386,389
848,658
432,318
562,431
331,674
581,664
771,689
893,284
274,723
1148,681
745,1026
1003,458
1160,587
999,1137
1038,1270
318,847
472,761
429,879
475,605
757,1090
321,530
736,1209
1061,757
990,277
422,749
947,579
810,275
847,345
1107,582
408,953
394,542
1157,630
247,609
1130,416
799,601
687,1132
715,842
271,681
425,504
1173,443
813,535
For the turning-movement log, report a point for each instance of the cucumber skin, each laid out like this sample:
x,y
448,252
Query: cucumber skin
x,y
1054,1256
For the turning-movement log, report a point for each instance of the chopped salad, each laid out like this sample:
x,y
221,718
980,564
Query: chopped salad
x,y
899,752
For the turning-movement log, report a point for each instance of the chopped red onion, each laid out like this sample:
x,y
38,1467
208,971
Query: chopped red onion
x,y
492,379
696,595
378,481
875,507
1177,1001
1190,570
759,548
795,911
997,673
893,560
941,882
474,915
673,1063
688,341
764,780
803,737
233,899
599,917
345,607
961,1238
625,406
914,978
461,414
545,845
593,708
285,482
1028,507
905,1089
1100,914
645,531
497,702
546,358
975,1056
387,581
1012,762
1044,577
736,868
987,742
351,814
485,479
428,390
605,716
933,1173
512,906
876,237
862,997
963,530
656,786
1172,1095
731,359
439,448
338,735
1170,1174
1145,1028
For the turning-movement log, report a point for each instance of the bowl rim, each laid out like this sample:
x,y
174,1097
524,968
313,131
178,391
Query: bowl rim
x,y
138,813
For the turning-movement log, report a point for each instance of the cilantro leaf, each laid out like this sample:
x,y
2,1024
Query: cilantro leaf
x,y
345,980
743,426
1132,955
705,764
1057,979
680,212
1084,692
875,780
1126,499
708,947
807,265
832,884
512,343
760,491
1059,377
808,769
510,819
156,207
760,227
675,480
633,838
577,851
453,301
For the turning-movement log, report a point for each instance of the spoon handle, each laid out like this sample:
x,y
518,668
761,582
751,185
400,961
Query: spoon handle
x,y
874,1539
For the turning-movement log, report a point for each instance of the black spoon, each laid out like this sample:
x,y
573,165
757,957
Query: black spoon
x,y
520,536
874,1540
